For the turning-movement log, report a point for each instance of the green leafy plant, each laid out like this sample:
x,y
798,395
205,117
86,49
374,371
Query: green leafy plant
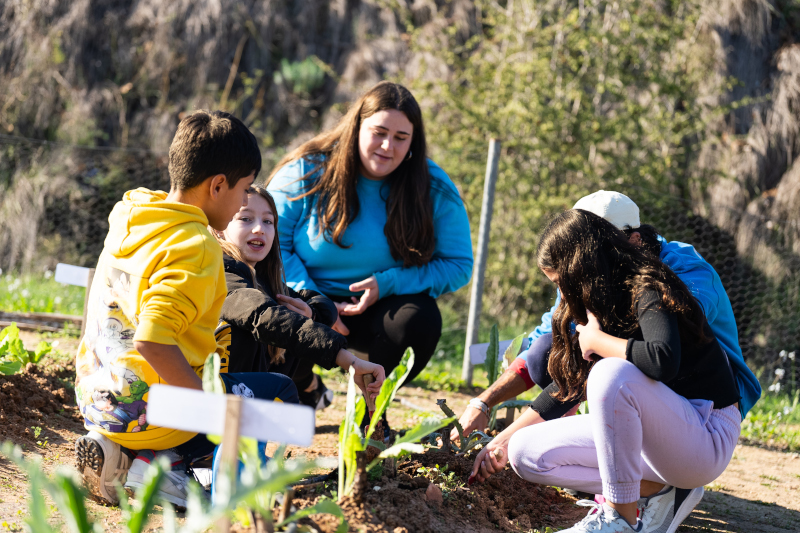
x,y
492,353
13,355
465,445
442,476
353,441
302,77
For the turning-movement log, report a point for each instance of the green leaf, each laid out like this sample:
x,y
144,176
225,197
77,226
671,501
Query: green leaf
x,y
449,412
325,506
513,350
146,497
65,489
397,450
492,355
10,367
42,349
424,428
515,404
211,382
389,388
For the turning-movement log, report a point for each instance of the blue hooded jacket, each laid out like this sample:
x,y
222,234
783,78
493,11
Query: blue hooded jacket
x,y
705,285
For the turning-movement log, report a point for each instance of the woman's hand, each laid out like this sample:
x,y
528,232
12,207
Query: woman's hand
x,y
339,326
295,304
370,296
346,359
491,459
589,335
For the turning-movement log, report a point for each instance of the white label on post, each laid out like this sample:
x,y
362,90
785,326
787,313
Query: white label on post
x,y
193,410
477,352
72,275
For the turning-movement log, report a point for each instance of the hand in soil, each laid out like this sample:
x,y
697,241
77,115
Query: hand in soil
x,y
491,460
471,420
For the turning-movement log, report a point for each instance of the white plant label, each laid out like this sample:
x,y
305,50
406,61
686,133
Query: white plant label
x,y
72,275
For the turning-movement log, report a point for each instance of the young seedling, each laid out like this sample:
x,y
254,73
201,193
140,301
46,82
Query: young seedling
x,y
13,355
352,441
464,445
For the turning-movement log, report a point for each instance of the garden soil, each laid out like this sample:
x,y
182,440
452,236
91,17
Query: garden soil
x,y
756,494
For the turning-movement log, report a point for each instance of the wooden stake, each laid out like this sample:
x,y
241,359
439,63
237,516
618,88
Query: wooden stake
x,y
286,508
229,455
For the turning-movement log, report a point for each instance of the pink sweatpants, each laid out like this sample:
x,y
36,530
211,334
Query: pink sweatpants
x,y
637,428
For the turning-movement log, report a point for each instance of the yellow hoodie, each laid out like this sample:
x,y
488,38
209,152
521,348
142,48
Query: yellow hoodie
x,y
161,279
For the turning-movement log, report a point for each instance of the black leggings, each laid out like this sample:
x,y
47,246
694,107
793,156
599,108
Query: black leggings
x,y
386,329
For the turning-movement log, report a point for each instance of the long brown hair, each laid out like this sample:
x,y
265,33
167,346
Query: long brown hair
x,y
269,270
600,270
409,210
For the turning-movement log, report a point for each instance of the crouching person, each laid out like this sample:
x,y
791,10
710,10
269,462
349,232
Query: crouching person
x,y
154,305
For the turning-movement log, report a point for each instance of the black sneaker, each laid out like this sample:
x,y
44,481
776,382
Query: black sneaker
x,y
319,398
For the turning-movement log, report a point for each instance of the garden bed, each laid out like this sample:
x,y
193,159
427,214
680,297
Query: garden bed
x,y
402,504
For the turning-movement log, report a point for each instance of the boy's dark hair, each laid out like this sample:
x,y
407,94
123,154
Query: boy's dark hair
x,y
650,242
211,143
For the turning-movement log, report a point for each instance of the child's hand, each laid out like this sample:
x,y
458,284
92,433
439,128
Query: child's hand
x,y
295,304
346,359
589,335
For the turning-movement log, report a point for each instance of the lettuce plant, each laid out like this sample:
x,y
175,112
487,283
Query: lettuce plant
x,y
13,355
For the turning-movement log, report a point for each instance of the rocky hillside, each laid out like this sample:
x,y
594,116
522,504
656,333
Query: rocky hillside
x,y
93,91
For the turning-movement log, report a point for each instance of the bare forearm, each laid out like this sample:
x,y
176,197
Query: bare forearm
x,y
507,386
170,364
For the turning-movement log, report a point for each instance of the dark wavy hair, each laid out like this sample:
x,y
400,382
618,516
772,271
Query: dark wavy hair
x,y
601,271
409,209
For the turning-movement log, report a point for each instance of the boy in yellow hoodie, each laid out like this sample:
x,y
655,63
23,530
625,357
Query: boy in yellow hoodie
x,y
154,304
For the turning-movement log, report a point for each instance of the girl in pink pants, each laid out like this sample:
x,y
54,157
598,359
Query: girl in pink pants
x,y
663,417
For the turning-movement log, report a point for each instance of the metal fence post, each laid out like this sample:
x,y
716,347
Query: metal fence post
x,y
473,321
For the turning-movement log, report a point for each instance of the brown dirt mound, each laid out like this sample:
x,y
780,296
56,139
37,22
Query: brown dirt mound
x,y
504,502
35,399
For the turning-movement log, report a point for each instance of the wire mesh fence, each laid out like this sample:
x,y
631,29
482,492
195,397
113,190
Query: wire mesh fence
x,y
55,200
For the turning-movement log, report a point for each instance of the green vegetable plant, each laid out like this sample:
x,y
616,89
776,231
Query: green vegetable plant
x,y
465,444
352,441
13,355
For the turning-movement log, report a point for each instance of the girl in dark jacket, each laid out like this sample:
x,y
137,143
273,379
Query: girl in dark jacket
x,y
265,326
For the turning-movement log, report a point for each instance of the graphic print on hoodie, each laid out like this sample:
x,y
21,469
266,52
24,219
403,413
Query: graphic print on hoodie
x,y
159,278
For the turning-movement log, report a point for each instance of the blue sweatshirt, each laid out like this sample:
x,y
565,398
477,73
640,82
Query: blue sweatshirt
x,y
313,262
705,285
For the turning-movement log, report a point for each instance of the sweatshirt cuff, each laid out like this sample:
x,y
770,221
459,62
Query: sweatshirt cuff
x,y
386,283
150,331
520,368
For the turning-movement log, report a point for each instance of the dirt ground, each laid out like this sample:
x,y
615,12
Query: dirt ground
x,y
756,494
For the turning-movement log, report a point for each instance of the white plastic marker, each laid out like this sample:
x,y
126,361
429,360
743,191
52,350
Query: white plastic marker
x,y
193,410
72,275
230,416
80,276
477,352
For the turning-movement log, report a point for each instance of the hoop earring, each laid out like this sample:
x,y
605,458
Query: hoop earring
x,y
408,157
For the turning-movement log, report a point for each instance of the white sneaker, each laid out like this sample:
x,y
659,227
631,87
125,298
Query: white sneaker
x,y
103,465
603,519
664,512
175,485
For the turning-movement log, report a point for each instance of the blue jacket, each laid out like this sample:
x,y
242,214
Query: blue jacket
x,y
311,261
704,283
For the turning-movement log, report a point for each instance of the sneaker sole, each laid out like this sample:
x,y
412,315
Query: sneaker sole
x,y
90,462
179,503
686,508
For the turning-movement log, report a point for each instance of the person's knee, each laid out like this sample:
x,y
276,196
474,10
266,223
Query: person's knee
x,y
537,358
609,375
286,390
419,319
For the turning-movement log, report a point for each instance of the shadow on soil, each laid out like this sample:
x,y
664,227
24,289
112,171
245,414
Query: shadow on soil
x,y
722,512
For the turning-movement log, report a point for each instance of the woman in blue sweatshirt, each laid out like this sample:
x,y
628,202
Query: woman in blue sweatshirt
x,y
369,221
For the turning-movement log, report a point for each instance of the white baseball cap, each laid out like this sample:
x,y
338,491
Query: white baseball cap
x,y
612,206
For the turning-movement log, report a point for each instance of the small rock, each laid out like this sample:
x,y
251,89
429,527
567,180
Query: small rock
x,y
399,529
469,506
433,494
376,488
